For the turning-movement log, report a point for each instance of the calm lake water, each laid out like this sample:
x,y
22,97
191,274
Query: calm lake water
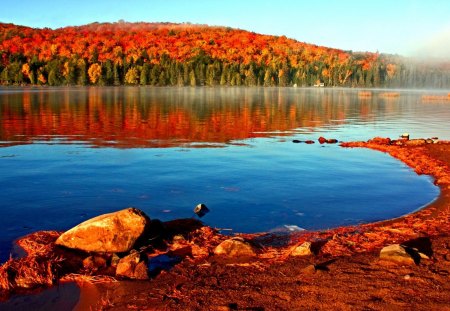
x,y
68,154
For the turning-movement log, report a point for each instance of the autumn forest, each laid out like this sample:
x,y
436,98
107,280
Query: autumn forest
x,y
165,54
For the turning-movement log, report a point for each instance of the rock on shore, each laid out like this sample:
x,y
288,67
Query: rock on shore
x,y
235,247
113,233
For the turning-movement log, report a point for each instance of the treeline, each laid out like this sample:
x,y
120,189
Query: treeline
x,y
194,55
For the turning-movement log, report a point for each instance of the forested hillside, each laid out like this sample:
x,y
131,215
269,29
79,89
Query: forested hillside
x,y
162,54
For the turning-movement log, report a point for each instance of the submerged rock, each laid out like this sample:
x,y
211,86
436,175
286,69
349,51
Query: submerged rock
x,y
235,247
396,253
115,232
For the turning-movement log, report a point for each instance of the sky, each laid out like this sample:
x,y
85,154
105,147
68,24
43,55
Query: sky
x,y
405,27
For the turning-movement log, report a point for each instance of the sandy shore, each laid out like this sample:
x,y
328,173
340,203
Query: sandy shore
x,y
344,274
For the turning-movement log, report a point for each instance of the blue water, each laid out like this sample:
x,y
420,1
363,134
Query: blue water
x,y
56,175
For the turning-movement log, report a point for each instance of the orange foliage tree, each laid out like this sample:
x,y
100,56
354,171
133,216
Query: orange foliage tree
x,y
104,53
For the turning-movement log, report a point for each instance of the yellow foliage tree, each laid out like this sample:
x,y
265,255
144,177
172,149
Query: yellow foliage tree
x,y
41,78
26,70
131,77
94,72
65,70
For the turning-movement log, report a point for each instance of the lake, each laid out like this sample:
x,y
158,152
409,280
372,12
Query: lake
x,y
68,154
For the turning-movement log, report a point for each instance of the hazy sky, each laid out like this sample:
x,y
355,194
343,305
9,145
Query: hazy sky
x,y
392,26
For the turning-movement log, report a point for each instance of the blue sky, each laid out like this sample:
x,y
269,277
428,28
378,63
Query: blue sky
x,y
414,27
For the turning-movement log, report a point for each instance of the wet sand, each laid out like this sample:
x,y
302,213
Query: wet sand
x,y
345,274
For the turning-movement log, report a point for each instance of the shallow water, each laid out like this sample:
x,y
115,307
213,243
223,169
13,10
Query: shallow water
x,y
73,153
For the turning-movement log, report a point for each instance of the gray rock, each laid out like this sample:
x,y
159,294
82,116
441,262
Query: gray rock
x,y
114,233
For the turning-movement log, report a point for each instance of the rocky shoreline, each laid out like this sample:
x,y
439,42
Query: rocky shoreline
x,y
183,264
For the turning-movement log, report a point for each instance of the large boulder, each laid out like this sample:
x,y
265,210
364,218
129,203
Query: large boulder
x,y
114,233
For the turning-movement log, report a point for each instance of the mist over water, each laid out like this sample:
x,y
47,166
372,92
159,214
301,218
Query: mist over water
x,y
69,154
436,48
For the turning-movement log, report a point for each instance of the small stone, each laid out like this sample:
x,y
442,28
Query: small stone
x,y
405,135
127,266
201,210
396,253
302,250
423,256
235,247
310,269
407,277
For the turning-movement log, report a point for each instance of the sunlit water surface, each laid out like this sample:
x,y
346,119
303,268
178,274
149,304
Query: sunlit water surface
x,y
69,154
